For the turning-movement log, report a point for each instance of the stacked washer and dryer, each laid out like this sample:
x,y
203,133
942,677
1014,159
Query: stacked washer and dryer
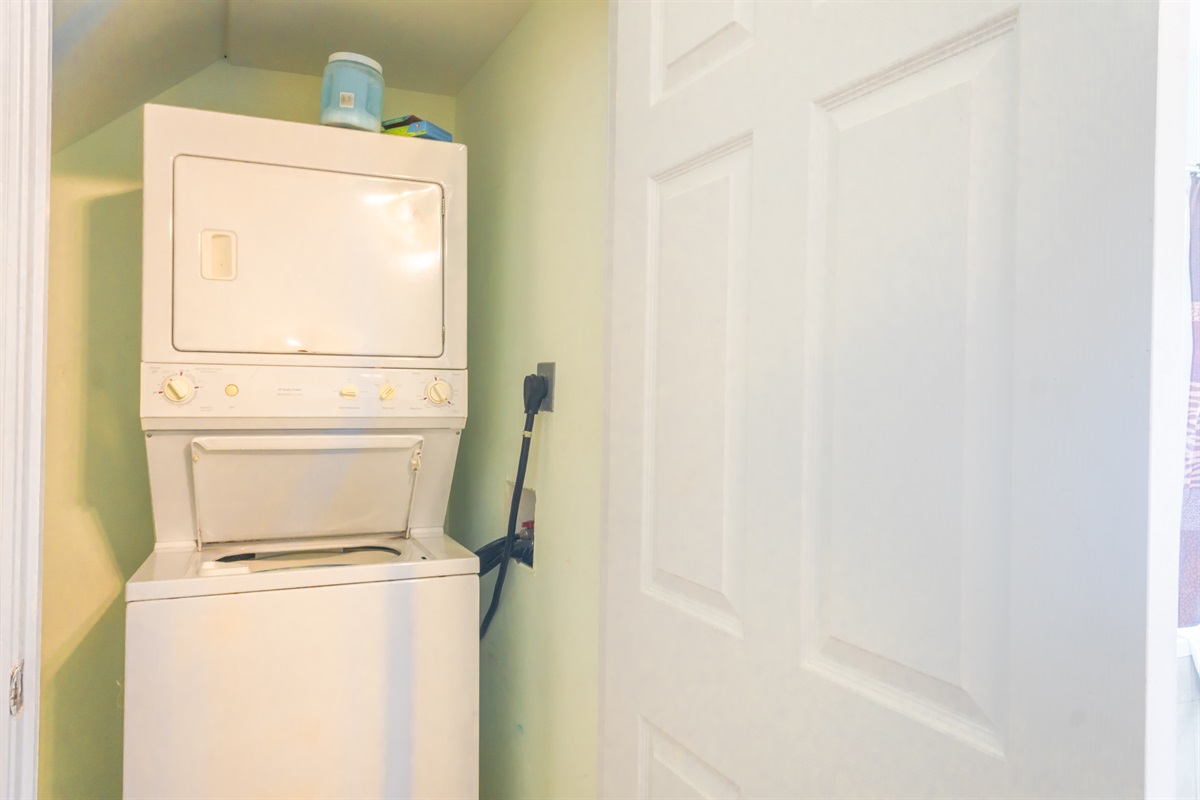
x,y
304,627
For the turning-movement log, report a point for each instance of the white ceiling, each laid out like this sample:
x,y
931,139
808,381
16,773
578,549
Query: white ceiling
x,y
112,55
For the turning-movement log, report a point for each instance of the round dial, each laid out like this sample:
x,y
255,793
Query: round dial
x,y
387,392
439,393
178,389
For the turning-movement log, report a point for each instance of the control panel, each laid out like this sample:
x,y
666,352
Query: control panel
x,y
244,391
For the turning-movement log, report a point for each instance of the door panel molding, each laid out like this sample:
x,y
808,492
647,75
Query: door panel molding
x,y
692,548
680,57
668,769
938,662
968,39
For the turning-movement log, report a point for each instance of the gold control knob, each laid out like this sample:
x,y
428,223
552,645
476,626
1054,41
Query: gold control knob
x,y
178,389
387,392
349,391
439,393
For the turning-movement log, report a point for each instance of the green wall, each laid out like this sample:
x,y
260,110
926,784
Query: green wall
x,y
98,527
535,121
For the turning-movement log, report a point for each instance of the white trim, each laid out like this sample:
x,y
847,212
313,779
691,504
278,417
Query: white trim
x,y
606,542
1170,374
24,194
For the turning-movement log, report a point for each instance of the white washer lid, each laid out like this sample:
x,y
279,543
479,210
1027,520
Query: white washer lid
x,y
357,58
256,487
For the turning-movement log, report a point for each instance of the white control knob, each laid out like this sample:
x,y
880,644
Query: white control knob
x,y
178,389
387,392
349,391
439,393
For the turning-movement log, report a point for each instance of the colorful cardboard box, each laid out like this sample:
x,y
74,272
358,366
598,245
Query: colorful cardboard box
x,y
416,127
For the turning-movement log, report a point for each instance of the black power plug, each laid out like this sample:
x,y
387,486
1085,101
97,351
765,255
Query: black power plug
x,y
536,389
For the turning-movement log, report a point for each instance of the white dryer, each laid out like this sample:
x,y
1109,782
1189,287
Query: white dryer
x,y
304,627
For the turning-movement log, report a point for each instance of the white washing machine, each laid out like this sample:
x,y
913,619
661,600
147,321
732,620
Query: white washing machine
x,y
304,627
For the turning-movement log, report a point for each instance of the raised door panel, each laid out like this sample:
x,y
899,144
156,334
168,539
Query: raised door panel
x,y
690,38
694,518
668,770
909,322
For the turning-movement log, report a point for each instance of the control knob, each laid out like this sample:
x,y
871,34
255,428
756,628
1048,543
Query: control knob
x,y
439,393
178,389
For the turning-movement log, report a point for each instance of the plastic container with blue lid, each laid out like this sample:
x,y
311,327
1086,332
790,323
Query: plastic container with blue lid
x,y
352,93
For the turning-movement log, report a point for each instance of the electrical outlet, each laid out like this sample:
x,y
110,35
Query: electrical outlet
x,y
546,370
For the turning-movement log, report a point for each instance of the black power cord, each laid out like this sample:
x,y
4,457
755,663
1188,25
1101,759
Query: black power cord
x,y
536,389
491,553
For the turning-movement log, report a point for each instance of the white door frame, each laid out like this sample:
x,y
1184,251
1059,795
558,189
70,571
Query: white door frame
x,y
25,36
1171,356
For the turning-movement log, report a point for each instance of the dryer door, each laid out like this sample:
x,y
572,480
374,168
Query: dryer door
x,y
273,259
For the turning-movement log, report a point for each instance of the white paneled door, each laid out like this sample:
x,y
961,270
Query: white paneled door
x,y
880,432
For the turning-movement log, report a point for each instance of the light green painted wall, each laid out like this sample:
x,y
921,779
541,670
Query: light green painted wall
x,y
535,123
98,527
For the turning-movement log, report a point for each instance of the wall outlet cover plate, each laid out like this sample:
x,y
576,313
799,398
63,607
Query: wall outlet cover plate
x,y
546,370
